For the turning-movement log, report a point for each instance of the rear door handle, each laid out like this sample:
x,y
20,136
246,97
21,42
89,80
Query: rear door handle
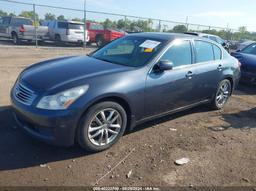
x,y
189,75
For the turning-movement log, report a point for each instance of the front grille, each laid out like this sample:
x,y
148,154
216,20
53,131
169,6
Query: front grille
x,y
24,94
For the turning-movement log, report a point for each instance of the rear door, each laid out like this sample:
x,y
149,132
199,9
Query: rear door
x,y
29,29
172,89
208,65
76,31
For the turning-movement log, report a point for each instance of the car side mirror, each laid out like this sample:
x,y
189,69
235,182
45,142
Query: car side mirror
x,y
165,65
238,50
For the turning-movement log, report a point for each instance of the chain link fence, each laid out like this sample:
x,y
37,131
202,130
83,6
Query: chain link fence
x,y
127,23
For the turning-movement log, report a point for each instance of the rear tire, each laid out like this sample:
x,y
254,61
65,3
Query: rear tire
x,y
222,95
102,126
15,39
100,41
58,40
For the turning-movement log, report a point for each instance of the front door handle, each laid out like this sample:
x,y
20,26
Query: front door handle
x,y
189,75
220,67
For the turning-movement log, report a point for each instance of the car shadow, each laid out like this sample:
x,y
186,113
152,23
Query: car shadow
x,y
246,89
243,120
20,151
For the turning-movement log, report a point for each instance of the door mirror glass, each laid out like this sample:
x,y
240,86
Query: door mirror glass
x,y
165,65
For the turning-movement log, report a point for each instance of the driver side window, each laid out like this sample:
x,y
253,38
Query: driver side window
x,y
179,54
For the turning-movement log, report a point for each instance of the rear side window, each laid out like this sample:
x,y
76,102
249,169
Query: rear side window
x,y
204,51
217,52
179,54
75,26
20,21
63,25
213,38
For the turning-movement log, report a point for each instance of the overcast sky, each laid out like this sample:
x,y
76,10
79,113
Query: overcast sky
x,y
233,13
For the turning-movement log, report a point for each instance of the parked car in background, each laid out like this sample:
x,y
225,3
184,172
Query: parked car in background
x,y
242,44
67,31
101,36
247,58
20,28
94,99
215,38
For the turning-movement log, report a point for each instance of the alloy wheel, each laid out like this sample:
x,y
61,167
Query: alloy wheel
x,y
223,93
105,127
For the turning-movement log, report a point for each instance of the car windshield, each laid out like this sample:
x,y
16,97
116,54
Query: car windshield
x,y
251,49
130,51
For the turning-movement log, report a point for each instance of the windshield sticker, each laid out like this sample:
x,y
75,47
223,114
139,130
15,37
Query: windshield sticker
x,y
148,50
150,44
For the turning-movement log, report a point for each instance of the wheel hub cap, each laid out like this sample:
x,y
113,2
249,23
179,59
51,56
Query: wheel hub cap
x,y
104,127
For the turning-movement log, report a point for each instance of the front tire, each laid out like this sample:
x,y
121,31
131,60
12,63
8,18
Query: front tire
x,y
102,126
222,95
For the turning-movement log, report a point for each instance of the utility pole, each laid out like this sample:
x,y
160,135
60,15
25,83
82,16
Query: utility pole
x,y
85,27
35,23
187,22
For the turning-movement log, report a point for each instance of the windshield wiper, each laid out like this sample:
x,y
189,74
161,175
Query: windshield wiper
x,y
106,60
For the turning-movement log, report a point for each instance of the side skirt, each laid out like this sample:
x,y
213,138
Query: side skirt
x,y
169,112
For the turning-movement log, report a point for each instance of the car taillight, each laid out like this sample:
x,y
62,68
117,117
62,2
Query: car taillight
x,y
22,29
67,32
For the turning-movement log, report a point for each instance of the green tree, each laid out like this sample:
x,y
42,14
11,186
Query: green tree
x,y
49,16
121,24
61,18
180,29
77,19
109,24
242,29
12,14
2,13
29,14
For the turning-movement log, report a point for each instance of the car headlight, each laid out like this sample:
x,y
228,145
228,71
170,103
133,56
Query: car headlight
x,y
63,99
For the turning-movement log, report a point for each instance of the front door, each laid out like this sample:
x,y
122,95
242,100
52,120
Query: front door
x,y
172,89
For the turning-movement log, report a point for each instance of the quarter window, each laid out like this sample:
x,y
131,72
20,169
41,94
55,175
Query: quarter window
x,y
63,25
179,54
204,51
217,52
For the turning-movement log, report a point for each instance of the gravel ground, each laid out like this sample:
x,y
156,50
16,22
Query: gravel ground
x,y
221,145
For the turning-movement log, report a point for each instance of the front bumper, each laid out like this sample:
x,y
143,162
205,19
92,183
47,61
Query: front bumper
x,y
53,127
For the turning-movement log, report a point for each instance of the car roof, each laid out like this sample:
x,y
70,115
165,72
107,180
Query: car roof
x,y
16,17
167,36
200,34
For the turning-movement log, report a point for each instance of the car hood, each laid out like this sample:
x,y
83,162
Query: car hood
x,y
54,73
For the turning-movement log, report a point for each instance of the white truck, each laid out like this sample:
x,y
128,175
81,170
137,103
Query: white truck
x,y
67,32
20,28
